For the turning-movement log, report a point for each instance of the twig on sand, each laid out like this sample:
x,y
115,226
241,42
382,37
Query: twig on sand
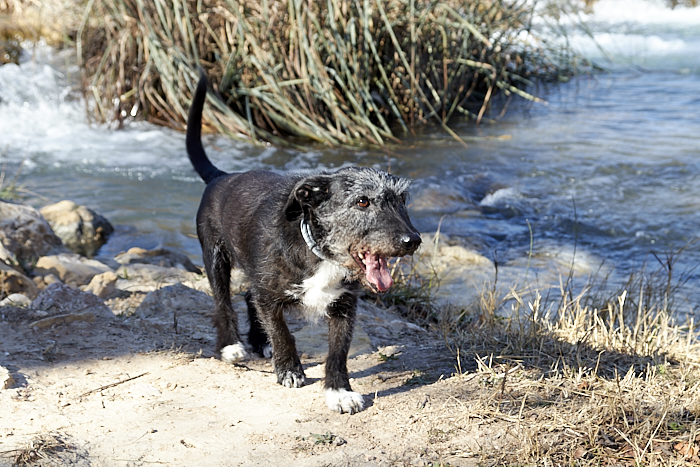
x,y
106,386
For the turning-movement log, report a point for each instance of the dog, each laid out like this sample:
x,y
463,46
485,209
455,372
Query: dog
x,y
304,241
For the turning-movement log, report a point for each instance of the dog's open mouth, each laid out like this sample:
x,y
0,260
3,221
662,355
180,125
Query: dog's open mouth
x,y
376,271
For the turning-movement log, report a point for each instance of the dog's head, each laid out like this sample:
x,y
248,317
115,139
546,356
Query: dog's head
x,y
358,218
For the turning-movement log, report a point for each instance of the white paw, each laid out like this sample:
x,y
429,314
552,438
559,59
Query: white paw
x,y
267,351
233,353
341,400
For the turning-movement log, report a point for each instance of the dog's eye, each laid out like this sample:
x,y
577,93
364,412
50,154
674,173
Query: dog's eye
x,y
363,202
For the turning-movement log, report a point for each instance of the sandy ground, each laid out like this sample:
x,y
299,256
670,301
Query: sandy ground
x,y
137,392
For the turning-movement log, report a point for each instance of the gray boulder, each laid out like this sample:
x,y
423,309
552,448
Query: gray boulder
x,y
72,269
82,230
24,233
59,299
162,257
179,298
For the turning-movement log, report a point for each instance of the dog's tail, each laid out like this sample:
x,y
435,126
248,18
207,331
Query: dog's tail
x,y
195,150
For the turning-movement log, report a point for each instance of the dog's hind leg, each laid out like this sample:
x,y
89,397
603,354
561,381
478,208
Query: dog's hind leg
x,y
285,358
339,396
257,337
218,267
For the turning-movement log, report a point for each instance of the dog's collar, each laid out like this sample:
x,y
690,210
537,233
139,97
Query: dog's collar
x,y
311,243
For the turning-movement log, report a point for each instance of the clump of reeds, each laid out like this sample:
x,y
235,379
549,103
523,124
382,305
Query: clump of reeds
x,y
339,72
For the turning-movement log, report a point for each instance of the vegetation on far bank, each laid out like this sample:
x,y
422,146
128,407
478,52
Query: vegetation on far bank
x,y
338,72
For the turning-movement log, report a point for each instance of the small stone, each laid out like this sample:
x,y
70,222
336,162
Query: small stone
x,y
72,269
338,441
14,281
162,257
16,299
103,285
51,279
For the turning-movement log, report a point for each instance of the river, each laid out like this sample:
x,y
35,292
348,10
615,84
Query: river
x,y
607,175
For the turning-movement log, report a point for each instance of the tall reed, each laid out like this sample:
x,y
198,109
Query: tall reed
x,y
339,72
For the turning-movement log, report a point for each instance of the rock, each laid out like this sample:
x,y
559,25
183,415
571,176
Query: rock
x,y
175,298
13,281
16,299
62,319
103,285
461,272
12,314
162,257
6,379
82,230
59,299
72,269
7,257
462,256
147,278
51,279
43,281
25,234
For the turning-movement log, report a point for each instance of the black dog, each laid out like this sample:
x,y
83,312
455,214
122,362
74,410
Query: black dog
x,y
303,240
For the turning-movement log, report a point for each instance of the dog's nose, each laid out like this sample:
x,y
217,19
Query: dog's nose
x,y
410,241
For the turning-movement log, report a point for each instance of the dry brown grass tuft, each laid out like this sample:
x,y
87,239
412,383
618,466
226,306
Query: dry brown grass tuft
x,y
45,449
339,72
574,384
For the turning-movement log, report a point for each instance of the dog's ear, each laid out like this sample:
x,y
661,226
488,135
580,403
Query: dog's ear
x,y
309,192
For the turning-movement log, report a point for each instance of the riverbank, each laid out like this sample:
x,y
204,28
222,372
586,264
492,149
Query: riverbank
x,y
130,378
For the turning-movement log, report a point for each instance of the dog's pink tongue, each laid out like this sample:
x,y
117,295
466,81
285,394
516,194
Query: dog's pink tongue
x,y
377,272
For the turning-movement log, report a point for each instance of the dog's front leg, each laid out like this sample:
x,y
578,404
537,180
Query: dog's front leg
x,y
339,396
285,358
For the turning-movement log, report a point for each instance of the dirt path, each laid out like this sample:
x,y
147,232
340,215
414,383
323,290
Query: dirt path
x,y
139,392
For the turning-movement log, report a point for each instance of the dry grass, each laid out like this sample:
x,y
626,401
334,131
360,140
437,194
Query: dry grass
x,y
572,383
339,72
51,21
45,449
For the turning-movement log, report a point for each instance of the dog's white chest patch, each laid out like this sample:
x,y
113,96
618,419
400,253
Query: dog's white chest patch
x,y
317,292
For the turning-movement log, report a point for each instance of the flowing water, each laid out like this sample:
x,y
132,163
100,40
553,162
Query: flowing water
x,y
608,173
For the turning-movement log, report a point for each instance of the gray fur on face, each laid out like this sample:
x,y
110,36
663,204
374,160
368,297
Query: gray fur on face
x,y
348,229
